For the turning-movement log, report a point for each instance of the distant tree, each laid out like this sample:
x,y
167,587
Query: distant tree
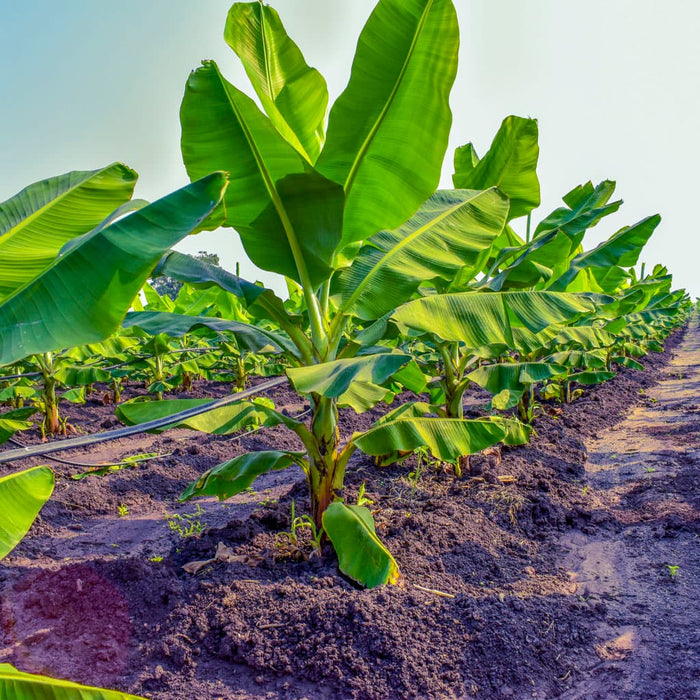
x,y
165,285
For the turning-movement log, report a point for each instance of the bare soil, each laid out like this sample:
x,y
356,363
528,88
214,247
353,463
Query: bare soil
x,y
555,582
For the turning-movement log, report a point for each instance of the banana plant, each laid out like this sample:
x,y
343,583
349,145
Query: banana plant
x,y
305,208
59,371
471,326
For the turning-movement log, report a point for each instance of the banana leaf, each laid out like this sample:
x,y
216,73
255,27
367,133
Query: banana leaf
x,y
238,474
510,164
293,95
17,685
22,495
38,221
249,337
453,230
83,295
480,319
224,420
289,216
361,554
446,438
388,130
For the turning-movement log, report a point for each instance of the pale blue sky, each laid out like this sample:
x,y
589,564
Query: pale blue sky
x,y
614,85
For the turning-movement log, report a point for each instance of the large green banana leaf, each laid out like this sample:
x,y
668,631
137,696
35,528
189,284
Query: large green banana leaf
x,y
293,95
17,685
39,220
510,164
249,337
453,230
238,474
223,420
446,438
479,319
83,295
361,554
354,382
622,249
22,495
260,301
388,130
289,216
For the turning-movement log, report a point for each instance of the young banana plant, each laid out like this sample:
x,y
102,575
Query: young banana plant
x,y
306,205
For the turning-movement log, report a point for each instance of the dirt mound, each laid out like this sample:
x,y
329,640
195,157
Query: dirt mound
x,y
487,606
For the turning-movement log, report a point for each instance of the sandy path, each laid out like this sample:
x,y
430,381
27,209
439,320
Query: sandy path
x,y
645,565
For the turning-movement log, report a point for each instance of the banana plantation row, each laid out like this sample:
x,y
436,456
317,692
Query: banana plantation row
x,y
393,285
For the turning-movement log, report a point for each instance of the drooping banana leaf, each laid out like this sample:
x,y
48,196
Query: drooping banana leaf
x,y
627,362
578,359
22,495
14,421
260,301
361,554
200,274
223,420
591,377
289,216
517,432
355,382
17,685
446,438
332,379
453,230
83,295
39,220
238,474
510,164
293,95
81,375
388,130
585,337
249,337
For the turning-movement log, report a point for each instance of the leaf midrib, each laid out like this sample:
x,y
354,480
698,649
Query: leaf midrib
x,y
359,158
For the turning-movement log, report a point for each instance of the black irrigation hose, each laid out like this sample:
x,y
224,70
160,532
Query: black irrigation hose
x,y
85,440
73,463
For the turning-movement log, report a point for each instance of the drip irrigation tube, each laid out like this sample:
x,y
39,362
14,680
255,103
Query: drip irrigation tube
x,y
37,450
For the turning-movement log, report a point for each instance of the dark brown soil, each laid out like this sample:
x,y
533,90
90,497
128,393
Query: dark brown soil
x,y
509,590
